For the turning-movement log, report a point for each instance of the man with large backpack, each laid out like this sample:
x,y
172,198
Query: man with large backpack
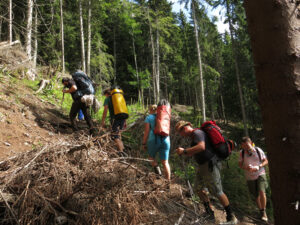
x,y
79,86
209,167
253,160
116,105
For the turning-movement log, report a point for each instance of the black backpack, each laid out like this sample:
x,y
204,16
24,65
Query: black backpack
x,y
83,83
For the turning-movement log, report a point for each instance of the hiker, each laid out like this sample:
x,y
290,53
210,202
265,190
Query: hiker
x,y
116,105
73,89
156,144
253,160
208,171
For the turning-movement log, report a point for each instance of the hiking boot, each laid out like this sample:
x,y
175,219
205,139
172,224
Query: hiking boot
x,y
264,216
122,154
208,217
157,170
230,220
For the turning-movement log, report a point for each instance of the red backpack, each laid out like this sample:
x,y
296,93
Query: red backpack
x,y
221,145
163,118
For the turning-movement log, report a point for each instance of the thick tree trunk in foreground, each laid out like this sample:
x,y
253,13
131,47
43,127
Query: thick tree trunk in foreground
x,y
275,37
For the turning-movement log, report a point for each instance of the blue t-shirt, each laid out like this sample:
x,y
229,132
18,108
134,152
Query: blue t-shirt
x,y
151,120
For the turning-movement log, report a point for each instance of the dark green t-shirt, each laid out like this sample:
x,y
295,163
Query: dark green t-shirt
x,y
108,102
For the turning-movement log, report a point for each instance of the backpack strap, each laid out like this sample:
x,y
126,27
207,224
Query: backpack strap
x,y
258,153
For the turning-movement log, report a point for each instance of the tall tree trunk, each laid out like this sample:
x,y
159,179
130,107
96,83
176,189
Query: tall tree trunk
x,y
115,56
9,22
1,22
136,69
153,59
82,38
62,37
274,31
35,38
89,40
237,72
199,61
29,28
157,77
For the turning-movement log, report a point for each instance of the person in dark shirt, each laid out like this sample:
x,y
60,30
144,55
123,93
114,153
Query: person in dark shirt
x,y
209,167
72,88
116,124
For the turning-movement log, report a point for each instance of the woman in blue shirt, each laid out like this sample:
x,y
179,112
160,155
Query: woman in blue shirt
x,y
156,144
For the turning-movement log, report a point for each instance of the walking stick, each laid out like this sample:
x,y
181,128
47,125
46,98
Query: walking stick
x,y
189,185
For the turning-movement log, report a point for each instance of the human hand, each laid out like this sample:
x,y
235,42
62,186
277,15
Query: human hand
x,y
64,91
179,150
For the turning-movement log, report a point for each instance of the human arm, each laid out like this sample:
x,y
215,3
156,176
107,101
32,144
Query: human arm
x,y
264,162
104,115
146,134
192,150
72,89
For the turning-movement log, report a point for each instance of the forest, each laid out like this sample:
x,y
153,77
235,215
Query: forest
x,y
247,76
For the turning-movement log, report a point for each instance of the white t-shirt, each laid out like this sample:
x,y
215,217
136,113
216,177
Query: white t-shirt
x,y
254,161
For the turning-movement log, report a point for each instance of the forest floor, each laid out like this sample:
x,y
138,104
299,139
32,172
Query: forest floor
x,y
28,124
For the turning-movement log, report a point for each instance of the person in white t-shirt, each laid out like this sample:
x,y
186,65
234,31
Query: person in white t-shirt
x,y
253,160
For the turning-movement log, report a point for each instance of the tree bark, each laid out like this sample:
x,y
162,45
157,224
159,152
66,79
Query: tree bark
x,y
199,61
237,72
115,56
9,22
35,38
275,37
157,77
153,59
82,38
62,37
29,28
89,40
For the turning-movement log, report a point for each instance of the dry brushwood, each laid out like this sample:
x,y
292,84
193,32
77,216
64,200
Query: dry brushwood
x,y
83,181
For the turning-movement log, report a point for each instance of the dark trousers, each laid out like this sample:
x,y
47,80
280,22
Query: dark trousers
x,y
76,106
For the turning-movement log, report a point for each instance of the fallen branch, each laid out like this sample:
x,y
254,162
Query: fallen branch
x,y
11,211
43,84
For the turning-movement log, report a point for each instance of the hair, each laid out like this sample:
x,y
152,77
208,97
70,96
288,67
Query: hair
x,y
107,91
152,107
65,79
246,139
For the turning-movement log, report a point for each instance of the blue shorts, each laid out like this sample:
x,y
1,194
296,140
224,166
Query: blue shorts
x,y
159,144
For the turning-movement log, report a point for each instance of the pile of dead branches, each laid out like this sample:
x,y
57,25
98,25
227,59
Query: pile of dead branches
x,y
83,181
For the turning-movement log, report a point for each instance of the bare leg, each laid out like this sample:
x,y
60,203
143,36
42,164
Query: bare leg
x,y
153,162
223,199
120,145
258,202
167,169
263,199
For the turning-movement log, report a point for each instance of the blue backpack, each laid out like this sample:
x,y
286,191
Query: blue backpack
x,y
83,83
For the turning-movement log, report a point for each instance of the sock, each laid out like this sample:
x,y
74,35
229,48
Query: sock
x,y
228,212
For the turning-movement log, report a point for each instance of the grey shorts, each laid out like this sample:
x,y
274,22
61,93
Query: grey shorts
x,y
255,186
209,178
